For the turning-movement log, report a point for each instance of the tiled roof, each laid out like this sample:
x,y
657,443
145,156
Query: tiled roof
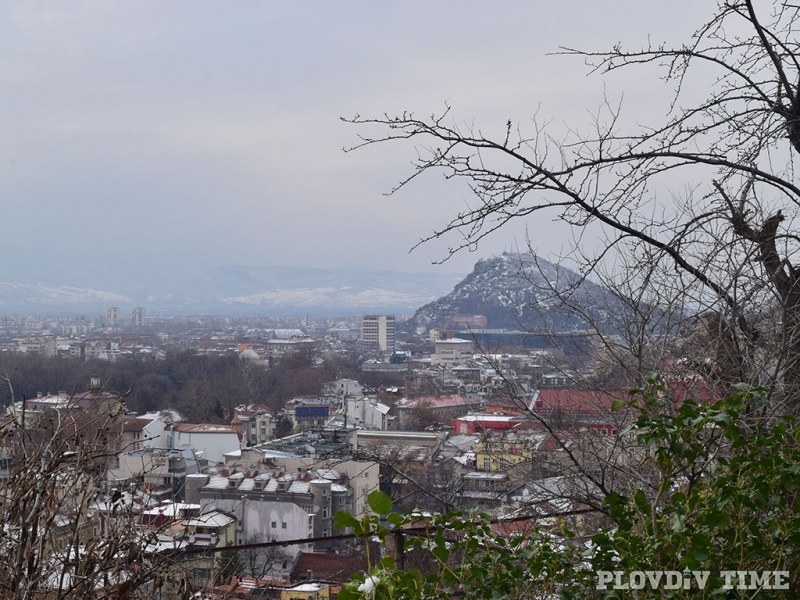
x,y
329,567
574,400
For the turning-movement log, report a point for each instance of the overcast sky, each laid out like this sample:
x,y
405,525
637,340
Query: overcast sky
x,y
189,134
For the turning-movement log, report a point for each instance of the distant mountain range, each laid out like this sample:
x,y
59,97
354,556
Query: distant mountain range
x,y
240,290
518,291
513,291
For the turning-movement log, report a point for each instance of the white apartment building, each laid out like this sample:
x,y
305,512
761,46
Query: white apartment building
x,y
137,317
377,332
367,413
211,441
112,317
452,352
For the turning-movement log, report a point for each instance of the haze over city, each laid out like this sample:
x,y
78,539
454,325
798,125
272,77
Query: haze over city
x,y
359,300
171,137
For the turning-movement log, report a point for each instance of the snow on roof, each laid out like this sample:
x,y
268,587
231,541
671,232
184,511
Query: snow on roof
x,y
485,475
217,482
308,587
202,428
437,401
328,474
299,487
271,453
168,415
172,509
213,518
485,418
465,458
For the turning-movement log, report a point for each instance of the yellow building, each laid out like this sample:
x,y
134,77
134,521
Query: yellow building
x,y
307,591
498,452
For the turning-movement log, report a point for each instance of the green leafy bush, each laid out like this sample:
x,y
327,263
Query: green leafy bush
x,y
723,496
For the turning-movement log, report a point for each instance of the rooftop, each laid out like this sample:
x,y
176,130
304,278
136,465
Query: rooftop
x,y
200,428
214,518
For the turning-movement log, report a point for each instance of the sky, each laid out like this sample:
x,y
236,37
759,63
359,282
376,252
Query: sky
x,y
187,134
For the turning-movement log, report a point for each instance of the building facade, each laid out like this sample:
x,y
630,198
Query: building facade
x,y
137,317
112,317
377,333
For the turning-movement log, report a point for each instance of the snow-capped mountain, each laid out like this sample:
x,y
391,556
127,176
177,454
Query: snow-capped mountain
x,y
19,295
520,291
238,290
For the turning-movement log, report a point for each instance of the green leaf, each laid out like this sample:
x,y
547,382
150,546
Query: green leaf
x,y
343,519
640,499
441,552
348,593
716,519
678,523
379,502
395,519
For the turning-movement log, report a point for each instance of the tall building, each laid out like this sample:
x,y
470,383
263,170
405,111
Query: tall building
x,y
112,317
137,317
377,332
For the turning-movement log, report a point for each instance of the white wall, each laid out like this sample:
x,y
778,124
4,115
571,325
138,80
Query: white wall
x,y
212,444
256,519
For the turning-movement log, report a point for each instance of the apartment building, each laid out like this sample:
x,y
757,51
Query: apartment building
x,y
274,504
377,333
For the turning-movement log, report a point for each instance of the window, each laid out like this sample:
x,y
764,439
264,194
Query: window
x,y
274,524
283,525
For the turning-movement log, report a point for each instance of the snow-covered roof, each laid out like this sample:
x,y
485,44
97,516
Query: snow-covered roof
x,y
213,518
217,482
308,587
299,487
172,509
328,474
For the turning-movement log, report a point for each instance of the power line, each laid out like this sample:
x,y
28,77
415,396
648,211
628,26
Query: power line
x,y
352,536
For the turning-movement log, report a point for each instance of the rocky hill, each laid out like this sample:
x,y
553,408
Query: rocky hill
x,y
517,291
